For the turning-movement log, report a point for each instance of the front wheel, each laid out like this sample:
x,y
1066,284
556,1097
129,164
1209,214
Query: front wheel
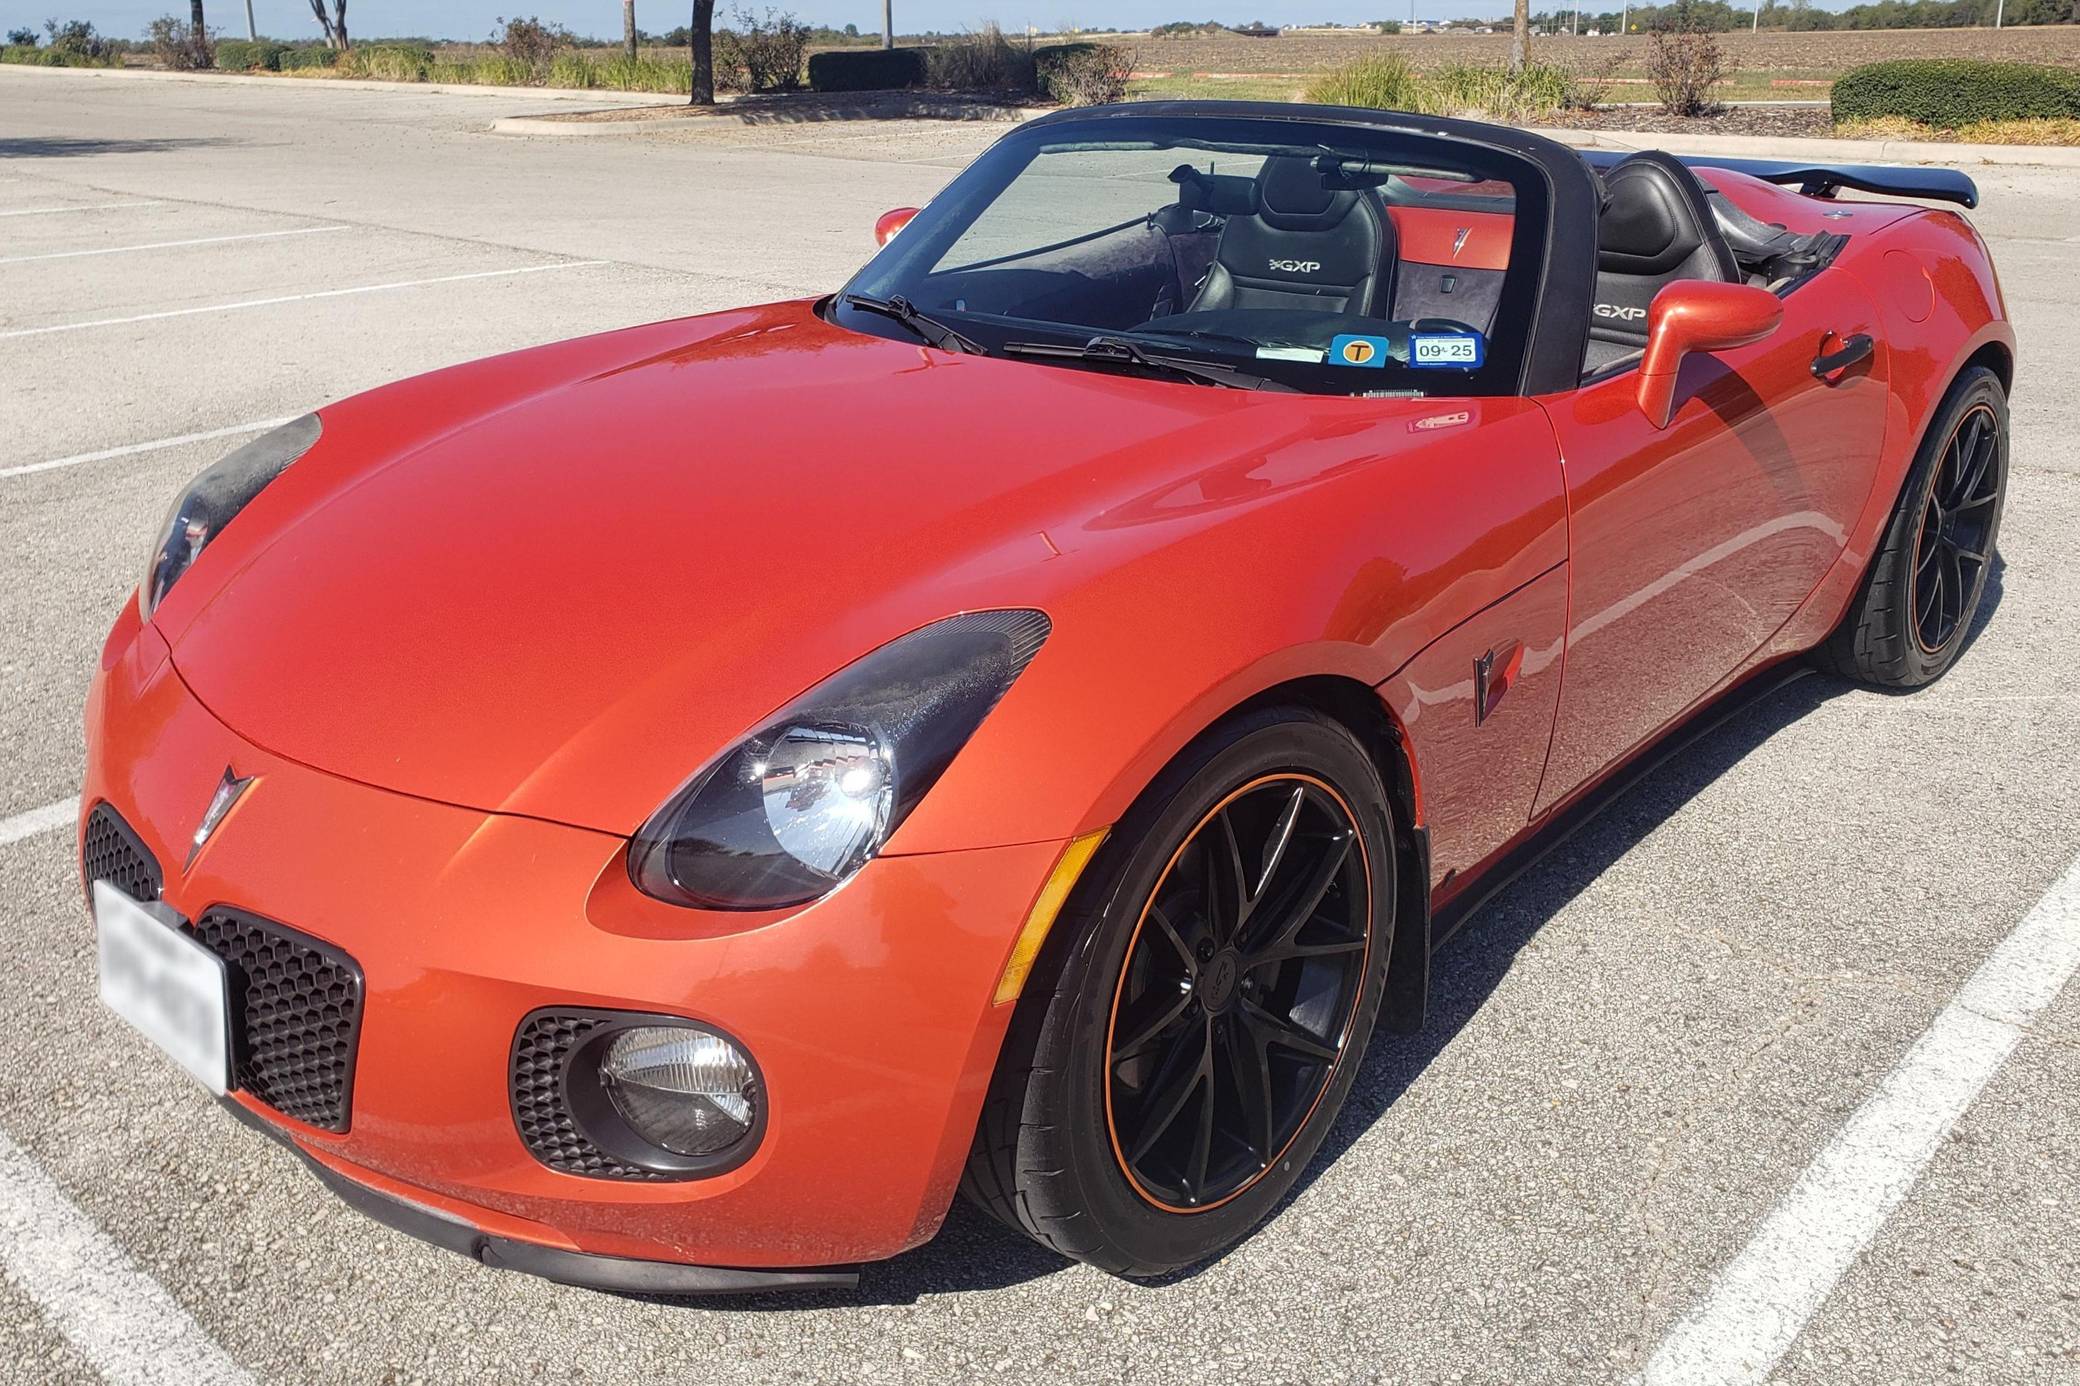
x,y
1225,961
1917,604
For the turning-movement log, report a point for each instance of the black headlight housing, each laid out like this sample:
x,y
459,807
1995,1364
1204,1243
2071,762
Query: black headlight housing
x,y
791,811
213,499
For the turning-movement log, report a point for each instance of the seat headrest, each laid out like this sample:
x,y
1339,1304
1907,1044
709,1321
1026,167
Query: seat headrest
x,y
1656,218
1291,196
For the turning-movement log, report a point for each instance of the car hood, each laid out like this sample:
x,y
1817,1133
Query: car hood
x,y
558,583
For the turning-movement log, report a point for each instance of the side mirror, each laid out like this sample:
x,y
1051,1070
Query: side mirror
x,y
1698,315
891,222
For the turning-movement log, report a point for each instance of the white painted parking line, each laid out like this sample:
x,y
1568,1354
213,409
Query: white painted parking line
x,y
38,820
168,245
131,449
82,207
1762,1300
299,298
120,1319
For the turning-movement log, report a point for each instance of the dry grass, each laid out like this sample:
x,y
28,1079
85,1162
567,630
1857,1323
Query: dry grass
x,y
2063,132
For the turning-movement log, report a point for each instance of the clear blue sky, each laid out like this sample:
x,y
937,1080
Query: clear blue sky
x,y
474,19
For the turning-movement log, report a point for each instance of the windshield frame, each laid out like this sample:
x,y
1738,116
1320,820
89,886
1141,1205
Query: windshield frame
x,y
1554,189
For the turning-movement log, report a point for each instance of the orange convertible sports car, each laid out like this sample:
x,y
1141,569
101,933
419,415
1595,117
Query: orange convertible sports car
x,y
664,811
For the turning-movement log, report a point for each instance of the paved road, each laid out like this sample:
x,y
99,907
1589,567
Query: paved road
x,y
1633,1056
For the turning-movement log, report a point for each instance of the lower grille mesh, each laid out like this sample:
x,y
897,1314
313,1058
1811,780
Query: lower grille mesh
x,y
111,852
296,1011
552,1136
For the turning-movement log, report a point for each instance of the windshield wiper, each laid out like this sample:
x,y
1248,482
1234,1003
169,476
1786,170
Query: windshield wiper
x,y
1124,351
905,312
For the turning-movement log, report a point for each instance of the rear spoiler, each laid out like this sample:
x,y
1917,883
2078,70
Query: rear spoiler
x,y
1821,180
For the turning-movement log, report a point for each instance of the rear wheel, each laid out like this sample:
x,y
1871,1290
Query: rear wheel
x,y
1220,970
1918,602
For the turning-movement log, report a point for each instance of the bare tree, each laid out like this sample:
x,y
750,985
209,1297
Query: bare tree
x,y
628,27
198,34
703,39
1520,38
334,24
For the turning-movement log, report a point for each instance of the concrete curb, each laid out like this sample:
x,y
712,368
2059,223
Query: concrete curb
x,y
1820,150
144,74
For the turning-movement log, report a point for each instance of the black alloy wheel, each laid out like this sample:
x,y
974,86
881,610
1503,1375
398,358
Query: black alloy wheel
x,y
1238,992
1198,1013
1956,538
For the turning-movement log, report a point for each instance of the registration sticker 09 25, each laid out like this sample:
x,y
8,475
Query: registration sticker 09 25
x,y
1447,350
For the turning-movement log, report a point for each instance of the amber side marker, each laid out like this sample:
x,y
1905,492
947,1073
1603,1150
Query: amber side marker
x,y
1067,868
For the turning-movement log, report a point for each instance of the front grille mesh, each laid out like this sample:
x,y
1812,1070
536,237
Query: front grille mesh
x,y
539,1053
295,1001
296,1007
111,852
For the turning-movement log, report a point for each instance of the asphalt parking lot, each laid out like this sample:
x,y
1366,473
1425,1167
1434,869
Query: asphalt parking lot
x,y
1639,1056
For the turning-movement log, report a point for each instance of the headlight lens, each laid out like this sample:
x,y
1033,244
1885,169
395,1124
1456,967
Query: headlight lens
x,y
685,1089
212,499
794,809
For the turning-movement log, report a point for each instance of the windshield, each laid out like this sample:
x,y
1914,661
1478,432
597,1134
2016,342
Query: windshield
x,y
1285,254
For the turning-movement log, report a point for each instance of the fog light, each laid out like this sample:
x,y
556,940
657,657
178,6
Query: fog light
x,y
687,1090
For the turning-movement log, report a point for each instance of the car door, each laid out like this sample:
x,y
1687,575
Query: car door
x,y
1690,545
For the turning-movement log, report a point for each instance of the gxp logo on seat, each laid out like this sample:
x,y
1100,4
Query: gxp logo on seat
x,y
1296,266
1614,310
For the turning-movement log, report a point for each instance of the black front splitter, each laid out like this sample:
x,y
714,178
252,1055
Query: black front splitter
x,y
617,1274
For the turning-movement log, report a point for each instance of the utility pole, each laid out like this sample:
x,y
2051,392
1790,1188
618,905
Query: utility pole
x,y
1756,26
888,24
251,32
2000,8
1625,20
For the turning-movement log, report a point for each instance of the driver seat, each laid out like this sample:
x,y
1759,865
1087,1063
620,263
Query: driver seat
x,y
1656,228
1303,245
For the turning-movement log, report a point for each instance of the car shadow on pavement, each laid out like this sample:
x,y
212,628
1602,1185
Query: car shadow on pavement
x,y
70,146
974,1252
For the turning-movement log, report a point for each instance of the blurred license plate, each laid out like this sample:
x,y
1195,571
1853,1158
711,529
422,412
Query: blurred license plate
x,y
175,991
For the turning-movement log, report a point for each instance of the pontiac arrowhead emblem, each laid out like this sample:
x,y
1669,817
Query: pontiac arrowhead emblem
x,y
1459,241
228,791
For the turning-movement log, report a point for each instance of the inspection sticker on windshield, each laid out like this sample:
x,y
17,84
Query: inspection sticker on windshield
x,y
1355,350
1447,351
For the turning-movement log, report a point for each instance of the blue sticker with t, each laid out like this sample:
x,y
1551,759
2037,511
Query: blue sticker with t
x,y
1355,349
1462,351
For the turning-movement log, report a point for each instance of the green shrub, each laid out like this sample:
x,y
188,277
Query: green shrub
x,y
452,72
867,69
644,74
308,60
498,70
245,55
1951,92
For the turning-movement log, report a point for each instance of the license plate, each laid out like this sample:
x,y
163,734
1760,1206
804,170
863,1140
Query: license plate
x,y
172,989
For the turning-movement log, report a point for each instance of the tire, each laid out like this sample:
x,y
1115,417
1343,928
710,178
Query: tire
x,y
1915,610
1059,1153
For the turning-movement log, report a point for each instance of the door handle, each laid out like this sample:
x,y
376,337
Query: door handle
x,y
1852,350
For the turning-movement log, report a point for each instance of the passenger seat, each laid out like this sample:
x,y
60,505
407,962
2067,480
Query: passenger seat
x,y
1656,228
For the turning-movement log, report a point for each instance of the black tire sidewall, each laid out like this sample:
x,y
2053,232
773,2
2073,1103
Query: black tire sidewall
x,y
1149,1240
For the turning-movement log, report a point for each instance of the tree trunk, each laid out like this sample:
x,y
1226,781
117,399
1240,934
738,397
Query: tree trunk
x,y
628,27
1520,38
703,53
339,24
198,34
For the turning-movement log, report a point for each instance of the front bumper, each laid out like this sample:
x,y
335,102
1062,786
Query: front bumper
x,y
869,1012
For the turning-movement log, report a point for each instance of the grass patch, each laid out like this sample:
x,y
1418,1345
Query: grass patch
x,y
2053,130
1386,81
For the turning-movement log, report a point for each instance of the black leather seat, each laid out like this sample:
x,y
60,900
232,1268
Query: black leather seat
x,y
1656,228
1303,245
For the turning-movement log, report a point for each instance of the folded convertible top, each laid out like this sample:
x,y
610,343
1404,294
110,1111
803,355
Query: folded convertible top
x,y
1821,180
